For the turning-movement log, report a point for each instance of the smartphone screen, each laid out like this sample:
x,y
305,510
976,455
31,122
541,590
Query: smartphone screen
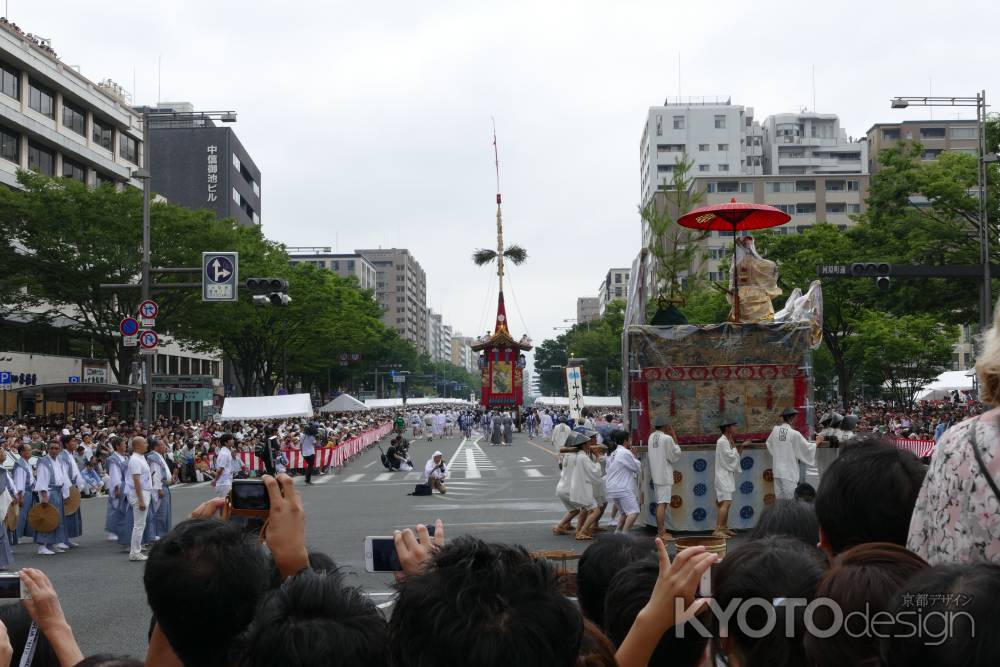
x,y
380,555
250,494
10,587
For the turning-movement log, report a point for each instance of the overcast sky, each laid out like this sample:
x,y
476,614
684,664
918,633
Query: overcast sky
x,y
371,124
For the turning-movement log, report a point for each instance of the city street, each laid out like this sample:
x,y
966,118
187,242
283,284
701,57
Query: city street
x,y
502,494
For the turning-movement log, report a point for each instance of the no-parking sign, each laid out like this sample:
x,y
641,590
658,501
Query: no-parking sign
x,y
148,341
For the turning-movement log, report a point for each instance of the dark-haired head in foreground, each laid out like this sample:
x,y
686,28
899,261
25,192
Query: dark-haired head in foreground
x,y
210,570
488,605
867,495
599,563
312,619
792,518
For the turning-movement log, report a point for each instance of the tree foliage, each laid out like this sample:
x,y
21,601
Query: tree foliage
x,y
598,342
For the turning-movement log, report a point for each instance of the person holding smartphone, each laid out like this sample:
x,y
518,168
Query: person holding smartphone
x,y
436,471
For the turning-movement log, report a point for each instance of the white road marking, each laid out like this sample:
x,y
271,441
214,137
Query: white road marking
x,y
533,472
371,464
385,476
471,470
353,478
325,479
455,455
524,459
412,476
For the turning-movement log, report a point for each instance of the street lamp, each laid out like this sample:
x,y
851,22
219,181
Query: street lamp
x,y
979,102
145,174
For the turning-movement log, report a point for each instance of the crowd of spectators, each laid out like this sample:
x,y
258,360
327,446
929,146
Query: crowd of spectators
x,y
926,420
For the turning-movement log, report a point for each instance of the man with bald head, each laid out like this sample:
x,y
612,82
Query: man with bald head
x,y
139,486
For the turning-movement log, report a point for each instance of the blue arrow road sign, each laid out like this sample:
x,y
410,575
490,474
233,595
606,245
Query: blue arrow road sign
x,y
219,276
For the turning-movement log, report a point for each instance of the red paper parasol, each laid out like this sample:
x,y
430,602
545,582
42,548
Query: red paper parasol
x,y
733,217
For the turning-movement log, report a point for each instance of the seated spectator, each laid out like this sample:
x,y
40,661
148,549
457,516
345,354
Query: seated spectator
x,y
773,568
792,518
313,619
488,605
962,630
599,564
863,579
628,593
867,495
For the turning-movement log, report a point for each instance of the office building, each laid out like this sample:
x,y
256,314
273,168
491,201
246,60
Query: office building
x,y
811,143
462,354
55,121
345,265
718,137
614,287
401,291
588,309
201,164
434,335
936,136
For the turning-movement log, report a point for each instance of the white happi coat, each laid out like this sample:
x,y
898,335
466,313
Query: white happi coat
x,y
662,454
727,464
787,448
586,472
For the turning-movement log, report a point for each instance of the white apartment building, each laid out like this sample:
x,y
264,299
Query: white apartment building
x,y
434,335
401,292
721,138
345,265
613,287
811,143
444,345
55,121
462,354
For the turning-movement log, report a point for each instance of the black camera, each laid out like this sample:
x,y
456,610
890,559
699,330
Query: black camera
x,y
312,428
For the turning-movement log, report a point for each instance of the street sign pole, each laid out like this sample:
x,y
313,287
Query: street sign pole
x,y
147,193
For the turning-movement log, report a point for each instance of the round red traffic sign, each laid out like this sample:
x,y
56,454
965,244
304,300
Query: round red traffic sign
x,y
149,339
148,309
129,326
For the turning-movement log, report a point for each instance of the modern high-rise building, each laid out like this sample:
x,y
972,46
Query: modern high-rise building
x,y
199,164
434,335
718,137
588,309
346,265
811,143
401,291
936,136
55,121
614,287
462,354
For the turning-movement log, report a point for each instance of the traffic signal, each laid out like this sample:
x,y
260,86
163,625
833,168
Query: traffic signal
x,y
880,271
273,291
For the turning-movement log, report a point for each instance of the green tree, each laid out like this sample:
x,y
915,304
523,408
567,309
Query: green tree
x,y
598,342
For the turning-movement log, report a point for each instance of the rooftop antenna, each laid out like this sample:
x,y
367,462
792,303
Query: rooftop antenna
x,y
814,89
159,77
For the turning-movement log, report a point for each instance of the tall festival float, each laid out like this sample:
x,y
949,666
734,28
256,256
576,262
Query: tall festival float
x,y
501,357
749,368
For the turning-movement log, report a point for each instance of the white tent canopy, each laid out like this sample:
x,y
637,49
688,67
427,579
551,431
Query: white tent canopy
x,y
344,403
380,403
267,407
588,402
944,384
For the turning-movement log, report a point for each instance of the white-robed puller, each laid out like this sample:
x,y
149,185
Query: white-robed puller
x,y
787,447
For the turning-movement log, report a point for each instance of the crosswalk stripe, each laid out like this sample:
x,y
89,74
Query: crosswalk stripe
x,y
352,478
384,476
324,479
473,474
533,472
410,476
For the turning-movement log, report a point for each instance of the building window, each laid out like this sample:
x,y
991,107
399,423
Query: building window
x,y
710,187
236,197
932,133
785,208
932,153
723,167
664,168
802,229
835,208
891,135
805,186
9,146
659,125
853,186
74,170
836,186
854,208
678,122
720,122
728,186
954,132
128,148
256,218
746,187
805,207
669,148
618,278
723,147
41,100
41,160
256,189
236,162
103,179
704,167
103,135
74,118
10,81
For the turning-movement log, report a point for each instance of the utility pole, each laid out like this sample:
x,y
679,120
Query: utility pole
x,y
147,189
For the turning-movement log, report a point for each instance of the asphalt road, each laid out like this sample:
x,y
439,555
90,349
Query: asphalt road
x,y
503,494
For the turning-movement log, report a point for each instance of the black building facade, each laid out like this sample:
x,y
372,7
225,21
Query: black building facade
x,y
201,165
